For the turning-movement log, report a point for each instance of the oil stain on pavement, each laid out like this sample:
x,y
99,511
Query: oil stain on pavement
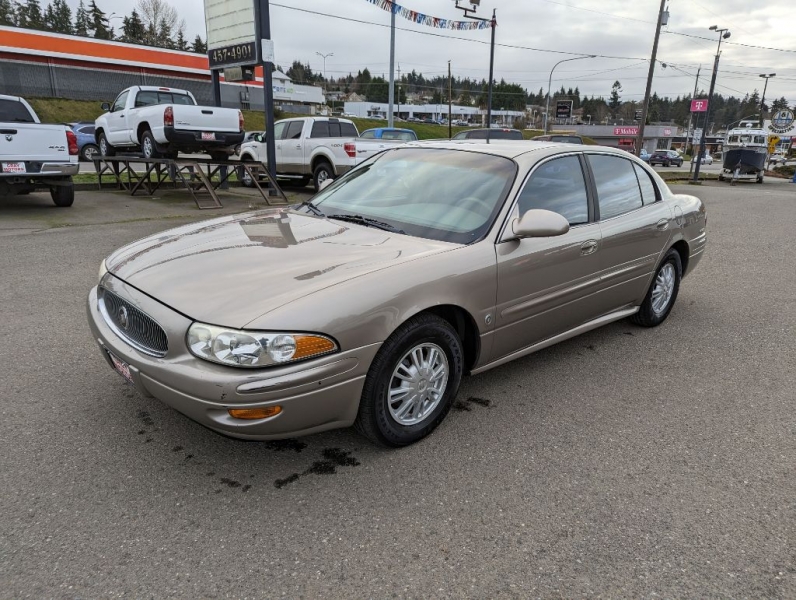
x,y
332,459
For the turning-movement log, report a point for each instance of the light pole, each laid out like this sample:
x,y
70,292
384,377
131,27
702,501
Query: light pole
x,y
723,35
469,14
763,99
550,83
589,118
663,19
324,57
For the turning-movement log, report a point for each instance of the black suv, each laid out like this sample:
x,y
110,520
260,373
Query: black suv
x,y
667,158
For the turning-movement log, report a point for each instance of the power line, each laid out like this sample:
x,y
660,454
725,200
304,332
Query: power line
x,y
699,37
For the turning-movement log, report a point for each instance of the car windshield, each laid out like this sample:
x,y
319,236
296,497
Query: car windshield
x,y
440,194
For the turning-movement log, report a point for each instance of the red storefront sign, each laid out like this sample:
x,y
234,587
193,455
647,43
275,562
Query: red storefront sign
x,y
625,130
667,132
699,106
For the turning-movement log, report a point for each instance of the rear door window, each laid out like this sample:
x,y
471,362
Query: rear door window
x,y
13,111
146,99
320,129
618,189
348,130
559,186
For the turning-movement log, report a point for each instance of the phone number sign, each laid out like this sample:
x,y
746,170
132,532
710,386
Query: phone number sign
x,y
231,56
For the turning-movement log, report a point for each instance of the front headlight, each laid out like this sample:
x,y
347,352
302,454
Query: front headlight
x,y
253,349
102,270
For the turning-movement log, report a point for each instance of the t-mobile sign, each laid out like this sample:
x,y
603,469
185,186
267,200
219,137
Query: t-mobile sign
x,y
699,106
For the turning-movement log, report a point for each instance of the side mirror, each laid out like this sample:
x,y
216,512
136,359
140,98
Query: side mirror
x,y
259,138
540,223
325,184
105,106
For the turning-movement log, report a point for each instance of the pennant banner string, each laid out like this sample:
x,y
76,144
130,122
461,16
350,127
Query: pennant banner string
x,y
416,17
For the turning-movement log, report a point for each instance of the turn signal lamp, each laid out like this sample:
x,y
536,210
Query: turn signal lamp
x,y
251,414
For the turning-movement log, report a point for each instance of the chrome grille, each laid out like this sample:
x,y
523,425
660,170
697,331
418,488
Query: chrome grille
x,y
140,330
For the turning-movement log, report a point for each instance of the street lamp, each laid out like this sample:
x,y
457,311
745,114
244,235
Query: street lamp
x,y
723,35
763,99
550,83
324,57
589,118
469,14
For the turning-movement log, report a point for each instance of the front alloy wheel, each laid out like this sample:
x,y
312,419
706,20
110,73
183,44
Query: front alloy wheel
x,y
412,382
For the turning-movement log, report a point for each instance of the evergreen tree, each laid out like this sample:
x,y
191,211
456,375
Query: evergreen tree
x,y
29,15
134,32
8,15
98,22
199,46
781,104
81,20
182,43
163,39
615,102
59,17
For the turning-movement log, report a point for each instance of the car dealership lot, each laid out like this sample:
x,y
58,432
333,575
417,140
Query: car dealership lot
x,y
626,462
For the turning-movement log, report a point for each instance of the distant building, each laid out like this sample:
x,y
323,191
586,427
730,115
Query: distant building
x,y
656,137
473,114
52,65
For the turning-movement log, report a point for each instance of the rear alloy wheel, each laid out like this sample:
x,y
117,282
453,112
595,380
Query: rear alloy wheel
x,y
63,195
412,382
662,293
149,147
322,172
88,152
104,147
244,176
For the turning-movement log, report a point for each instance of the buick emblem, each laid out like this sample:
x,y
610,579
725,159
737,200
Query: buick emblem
x,y
9,138
124,319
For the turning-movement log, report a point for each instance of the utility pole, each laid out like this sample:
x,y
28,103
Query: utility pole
x,y
645,107
450,103
763,99
391,93
688,135
723,35
493,25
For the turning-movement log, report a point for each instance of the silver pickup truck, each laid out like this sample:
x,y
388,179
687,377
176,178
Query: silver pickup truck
x,y
35,156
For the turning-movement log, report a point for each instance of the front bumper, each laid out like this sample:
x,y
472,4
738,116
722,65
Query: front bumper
x,y
316,395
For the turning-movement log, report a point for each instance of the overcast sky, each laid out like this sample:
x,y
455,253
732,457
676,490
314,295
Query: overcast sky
x,y
612,28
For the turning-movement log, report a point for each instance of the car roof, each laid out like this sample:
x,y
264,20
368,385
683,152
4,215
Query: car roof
x,y
382,129
515,148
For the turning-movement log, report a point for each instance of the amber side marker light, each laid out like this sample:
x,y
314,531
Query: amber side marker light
x,y
250,414
310,345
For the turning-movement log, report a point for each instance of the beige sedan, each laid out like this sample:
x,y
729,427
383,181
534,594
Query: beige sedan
x,y
366,306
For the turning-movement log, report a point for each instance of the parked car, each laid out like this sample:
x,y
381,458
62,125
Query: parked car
x,y
86,140
307,149
667,158
413,120
561,138
164,121
35,156
387,133
491,134
706,160
368,304
777,159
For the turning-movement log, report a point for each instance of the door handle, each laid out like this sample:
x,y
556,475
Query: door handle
x,y
662,225
298,146
588,247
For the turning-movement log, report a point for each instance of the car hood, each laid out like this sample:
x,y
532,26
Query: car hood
x,y
230,271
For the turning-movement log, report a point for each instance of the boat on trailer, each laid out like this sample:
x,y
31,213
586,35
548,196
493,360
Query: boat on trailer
x,y
744,153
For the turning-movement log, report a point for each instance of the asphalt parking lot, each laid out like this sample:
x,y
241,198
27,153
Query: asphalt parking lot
x,y
627,462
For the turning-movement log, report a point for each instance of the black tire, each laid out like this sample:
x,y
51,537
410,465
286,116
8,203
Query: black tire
x,y
759,179
104,147
374,419
88,151
647,316
322,172
149,147
63,195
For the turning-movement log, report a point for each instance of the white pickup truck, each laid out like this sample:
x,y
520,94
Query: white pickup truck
x,y
33,155
162,122
313,149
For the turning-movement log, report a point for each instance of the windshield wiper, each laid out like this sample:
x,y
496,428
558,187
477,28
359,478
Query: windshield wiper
x,y
367,222
313,209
